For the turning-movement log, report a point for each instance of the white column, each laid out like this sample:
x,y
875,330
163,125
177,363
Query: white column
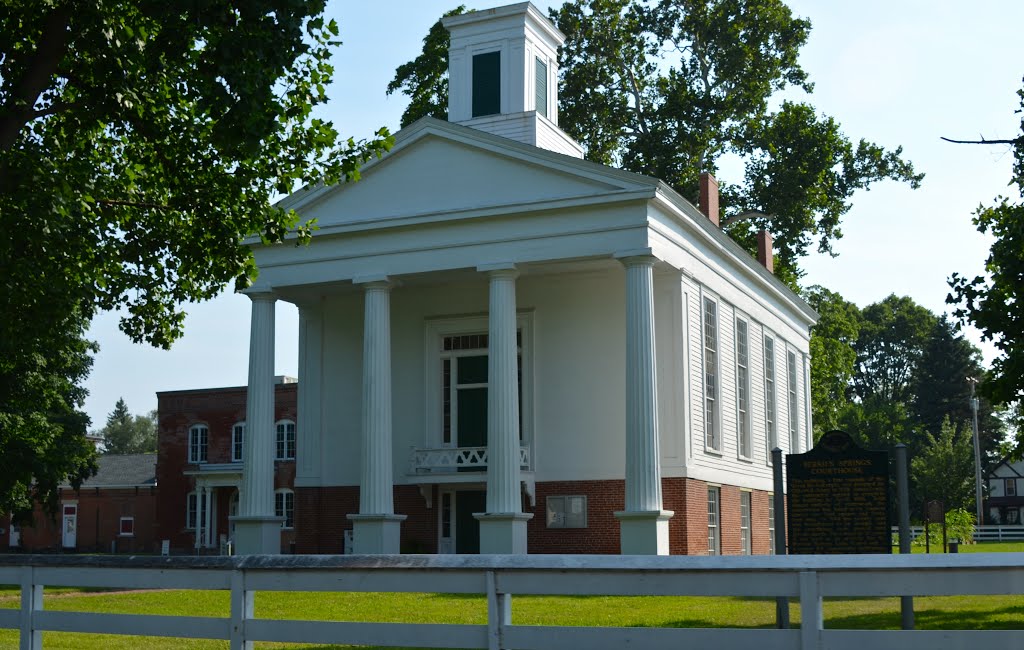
x,y
376,529
257,530
503,526
643,524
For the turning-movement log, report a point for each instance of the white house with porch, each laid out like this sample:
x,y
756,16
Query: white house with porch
x,y
505,348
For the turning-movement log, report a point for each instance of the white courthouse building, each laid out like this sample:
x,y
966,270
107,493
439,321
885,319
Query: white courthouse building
x,y
504,348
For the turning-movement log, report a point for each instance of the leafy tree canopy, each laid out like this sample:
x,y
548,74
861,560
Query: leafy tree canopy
x,y
892,338
140,145
125,433
992,302
669,88
944,469
835,359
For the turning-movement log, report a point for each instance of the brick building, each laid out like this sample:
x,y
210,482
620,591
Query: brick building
x,y
112,512
201,438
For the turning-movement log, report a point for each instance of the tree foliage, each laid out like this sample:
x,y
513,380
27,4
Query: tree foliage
x,y
670,88
125,433
992,302
834,358
889,348
944,469
140,145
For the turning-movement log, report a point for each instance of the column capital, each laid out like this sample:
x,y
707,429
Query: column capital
x,y
499,270
377,281
636,257
262,295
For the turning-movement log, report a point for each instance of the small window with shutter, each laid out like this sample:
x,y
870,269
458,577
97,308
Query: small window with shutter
x,y
487,84
542,87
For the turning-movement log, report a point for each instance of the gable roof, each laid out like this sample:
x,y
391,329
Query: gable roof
x,y
122,470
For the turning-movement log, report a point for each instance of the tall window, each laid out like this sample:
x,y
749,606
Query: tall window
x,y
541,70
794,408
714,541
771,524
284,506
1011,487
712,437
198,438
487,84
743,388
195,510
745,522
464,389
771,434
285,440
237,439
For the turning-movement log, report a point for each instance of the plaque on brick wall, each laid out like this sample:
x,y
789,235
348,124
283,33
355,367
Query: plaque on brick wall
x,y
838,498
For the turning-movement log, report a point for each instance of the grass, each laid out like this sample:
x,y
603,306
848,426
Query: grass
x,y
946,612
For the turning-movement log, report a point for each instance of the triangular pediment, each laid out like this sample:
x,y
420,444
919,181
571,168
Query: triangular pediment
x,y
446,169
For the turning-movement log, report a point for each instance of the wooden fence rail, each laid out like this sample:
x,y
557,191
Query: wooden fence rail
x,y
986,533
807,579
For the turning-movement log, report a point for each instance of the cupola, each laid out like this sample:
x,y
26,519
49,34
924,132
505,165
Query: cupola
x,y
503,75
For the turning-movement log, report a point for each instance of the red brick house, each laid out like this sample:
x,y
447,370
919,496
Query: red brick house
x,y
112,512
201,435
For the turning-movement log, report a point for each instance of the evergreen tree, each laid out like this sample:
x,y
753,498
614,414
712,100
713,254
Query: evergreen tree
x,y
128,434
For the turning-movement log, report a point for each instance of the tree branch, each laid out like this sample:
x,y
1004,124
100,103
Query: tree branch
x,y
134,204
1015,141
37,77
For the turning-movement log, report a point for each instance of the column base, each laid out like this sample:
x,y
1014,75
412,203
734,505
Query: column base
x,y
376,534
643,532
503,533
260,535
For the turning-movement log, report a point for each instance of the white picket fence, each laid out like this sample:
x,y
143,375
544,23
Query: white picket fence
x,y
808,579
986,533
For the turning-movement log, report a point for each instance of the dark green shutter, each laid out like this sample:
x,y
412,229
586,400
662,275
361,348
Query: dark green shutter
x,y
487,84
542,88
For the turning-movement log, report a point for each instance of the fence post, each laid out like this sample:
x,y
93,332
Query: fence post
x,y
242,608
499,613
31,602
812,621
779,501
903,495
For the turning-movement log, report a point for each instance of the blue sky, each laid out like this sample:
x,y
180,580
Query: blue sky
x,y
902,72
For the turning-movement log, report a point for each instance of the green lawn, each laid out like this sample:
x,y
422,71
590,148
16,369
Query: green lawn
x,y
949,612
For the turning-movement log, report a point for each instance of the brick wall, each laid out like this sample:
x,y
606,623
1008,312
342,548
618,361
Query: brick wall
x,y
219,410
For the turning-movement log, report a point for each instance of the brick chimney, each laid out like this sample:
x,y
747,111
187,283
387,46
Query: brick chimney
x,y
708,202
765,254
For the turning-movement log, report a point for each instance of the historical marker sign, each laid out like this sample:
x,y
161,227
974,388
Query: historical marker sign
x,y
838,498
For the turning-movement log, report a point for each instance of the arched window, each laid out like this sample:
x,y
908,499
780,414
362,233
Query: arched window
x,y
198,438
285,440
237,440
284,506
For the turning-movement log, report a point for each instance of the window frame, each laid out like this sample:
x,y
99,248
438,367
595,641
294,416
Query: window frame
x,y
198,443
1010,487
473,81
714,520
540,63
771,406
793,395
284,440
195,510
771,523
565,500
746,539
284,506
120,526
744,434
434,333
238,431
712,377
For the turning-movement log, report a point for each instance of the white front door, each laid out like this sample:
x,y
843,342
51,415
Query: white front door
x,y
15,537
446,539
69,531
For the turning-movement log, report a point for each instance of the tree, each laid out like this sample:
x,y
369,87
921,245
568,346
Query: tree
x,y
669,88
892,338
992,302
140,145
835,359
944,469
129,434
941,390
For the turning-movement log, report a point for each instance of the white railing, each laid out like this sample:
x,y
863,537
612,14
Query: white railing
x,y
808,579
451,459
986,533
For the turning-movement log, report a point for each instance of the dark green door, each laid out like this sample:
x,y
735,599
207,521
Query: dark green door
x,y
467,528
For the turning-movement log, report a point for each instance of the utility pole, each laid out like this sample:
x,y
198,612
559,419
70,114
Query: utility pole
x,y
977,449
